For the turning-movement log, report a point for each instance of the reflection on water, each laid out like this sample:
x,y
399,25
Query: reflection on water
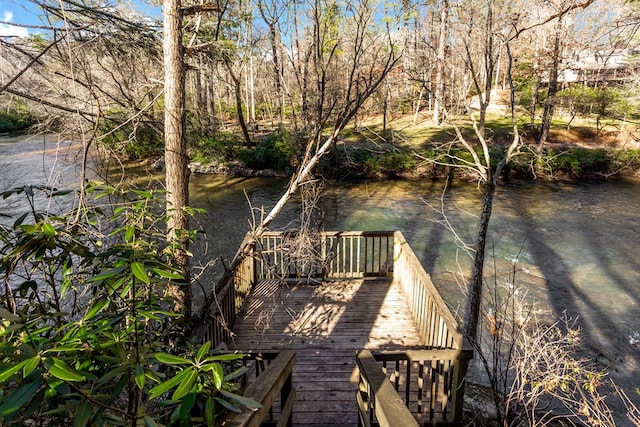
x,y
576,243
37,161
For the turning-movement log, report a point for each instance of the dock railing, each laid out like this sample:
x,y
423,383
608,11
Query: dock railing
x,y
328,255
437,325
359,254
270,384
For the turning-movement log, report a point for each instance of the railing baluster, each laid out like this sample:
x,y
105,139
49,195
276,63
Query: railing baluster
x,y
434,387
396,375
359,240
407,384
420,385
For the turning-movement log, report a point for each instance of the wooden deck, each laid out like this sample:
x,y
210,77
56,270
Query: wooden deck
x,y
326,324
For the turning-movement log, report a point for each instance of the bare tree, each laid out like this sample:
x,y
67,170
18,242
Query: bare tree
x,y
271,14
370,65
443,30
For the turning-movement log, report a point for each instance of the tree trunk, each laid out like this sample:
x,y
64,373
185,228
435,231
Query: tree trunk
x,y
238,97
272,23
550,102
440,57
176,160
477,271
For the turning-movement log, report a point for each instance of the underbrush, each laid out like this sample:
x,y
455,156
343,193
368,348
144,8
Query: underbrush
x,y
276,150
15,120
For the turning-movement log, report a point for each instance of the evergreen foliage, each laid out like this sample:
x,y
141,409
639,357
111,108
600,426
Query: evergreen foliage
x,y
89,332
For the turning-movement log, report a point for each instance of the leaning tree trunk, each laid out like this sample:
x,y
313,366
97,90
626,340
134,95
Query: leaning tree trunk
x,y
477,271
175,153
491,182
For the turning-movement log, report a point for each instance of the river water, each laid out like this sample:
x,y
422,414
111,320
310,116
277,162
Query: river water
x,y
576,244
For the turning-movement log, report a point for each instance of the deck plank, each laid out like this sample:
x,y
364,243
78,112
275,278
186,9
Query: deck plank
x,y
326,324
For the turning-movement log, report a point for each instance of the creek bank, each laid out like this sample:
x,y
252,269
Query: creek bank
x,y
558,162
233,169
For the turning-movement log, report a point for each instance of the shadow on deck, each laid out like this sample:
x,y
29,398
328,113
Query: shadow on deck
x,y
374,342
326,325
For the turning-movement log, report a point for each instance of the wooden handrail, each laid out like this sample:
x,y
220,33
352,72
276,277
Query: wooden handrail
x,y
431,381
376,396
333,254
276,379
437,325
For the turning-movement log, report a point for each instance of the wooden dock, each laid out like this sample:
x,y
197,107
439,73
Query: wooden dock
x,y
326,323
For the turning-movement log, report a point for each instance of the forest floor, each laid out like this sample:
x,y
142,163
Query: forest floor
x,y
378,146
416,131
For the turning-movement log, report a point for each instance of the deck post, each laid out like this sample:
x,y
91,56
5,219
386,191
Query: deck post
x,y
254,266
457,391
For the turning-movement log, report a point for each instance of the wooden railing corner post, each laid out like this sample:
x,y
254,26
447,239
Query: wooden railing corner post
x,y
457,391
397,253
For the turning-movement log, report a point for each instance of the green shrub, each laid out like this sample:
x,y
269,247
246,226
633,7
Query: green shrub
x,y
132,140
86,330
626,160
580,162
398,162
221,146
15,120
276,151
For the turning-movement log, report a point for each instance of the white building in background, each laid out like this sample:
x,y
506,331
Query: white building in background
x,y
598,66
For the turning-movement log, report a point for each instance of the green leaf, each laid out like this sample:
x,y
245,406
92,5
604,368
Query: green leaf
x,y
130,234
108,274
228,356
97,307
185,409
139,376
167,274
148,315
65,348
149,422
244,401
83,414
113,373
17,398
31,364
235,374
187,383
229,405
60,370
7,315
112,419
218,374
210,412
11,370
48,229
34,404
167,385
170,359
139,272
20,220
144,193
203,350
